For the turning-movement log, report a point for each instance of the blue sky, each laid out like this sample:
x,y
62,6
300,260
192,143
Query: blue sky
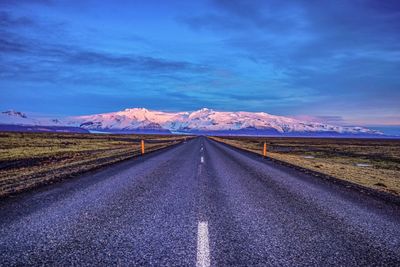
x,y
335,61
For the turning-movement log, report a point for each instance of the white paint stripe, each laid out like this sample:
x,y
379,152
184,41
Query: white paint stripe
x,y
202,159
201,149
203,247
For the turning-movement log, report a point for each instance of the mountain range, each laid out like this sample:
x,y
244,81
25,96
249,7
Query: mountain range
x,y
203,121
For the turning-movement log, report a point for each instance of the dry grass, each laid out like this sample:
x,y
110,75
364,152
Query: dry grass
x,y
335,157
31,159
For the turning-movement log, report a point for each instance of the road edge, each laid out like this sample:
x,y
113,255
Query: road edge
x,y
385,196
86,172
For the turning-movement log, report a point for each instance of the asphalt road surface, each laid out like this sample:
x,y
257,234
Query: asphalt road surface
x,y
199,203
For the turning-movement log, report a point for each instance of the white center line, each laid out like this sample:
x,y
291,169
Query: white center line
x,y
202,159
203,247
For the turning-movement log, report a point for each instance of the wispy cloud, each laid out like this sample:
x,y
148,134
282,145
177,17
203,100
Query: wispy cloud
x,y
35,57
321,58
9,3
346,52
7,20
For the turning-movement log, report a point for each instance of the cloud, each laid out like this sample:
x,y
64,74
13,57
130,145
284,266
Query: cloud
x,y
304,30
79,56
40,59
25,2
345,52
11,46
285,57
6,20
246,16
126,61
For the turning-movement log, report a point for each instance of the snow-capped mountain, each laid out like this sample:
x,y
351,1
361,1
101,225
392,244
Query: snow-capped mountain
x,y
17,121
200,121
20,118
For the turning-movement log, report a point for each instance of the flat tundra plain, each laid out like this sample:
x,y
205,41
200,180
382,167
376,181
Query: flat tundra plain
x,y
198,203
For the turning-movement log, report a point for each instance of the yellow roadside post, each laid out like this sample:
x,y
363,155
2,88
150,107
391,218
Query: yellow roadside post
x,y
142,146
265,150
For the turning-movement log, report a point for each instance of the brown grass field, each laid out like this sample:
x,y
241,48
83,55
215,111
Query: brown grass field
x,y
31,159
374,163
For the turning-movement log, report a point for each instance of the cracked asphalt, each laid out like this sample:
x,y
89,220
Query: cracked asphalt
x,y
147,212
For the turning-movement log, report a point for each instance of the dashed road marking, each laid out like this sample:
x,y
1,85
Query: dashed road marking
x,y
203,247
202,159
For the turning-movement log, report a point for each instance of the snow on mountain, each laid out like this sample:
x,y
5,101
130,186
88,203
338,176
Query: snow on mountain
x,y
128,119
206,120
17,121
13,117
200,121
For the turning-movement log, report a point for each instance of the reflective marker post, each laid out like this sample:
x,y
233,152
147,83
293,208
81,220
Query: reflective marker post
x,y
142,146
265,150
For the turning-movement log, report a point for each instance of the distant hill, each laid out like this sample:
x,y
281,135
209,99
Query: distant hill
x,y
203,121
37,129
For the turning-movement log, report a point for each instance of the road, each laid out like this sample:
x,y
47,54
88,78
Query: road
x,y
199,203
